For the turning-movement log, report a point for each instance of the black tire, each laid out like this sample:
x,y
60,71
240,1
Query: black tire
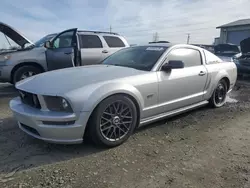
x,y
18,74
218,100
98,135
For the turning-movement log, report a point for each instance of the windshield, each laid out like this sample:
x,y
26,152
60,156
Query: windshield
x,y
140,57
40,42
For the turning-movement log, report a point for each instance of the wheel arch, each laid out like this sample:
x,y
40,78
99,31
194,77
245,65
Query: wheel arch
x,y
137,105
129,95
16,67
227,81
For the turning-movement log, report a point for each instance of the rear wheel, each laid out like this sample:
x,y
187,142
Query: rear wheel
x,y
113,121
218,98
25,72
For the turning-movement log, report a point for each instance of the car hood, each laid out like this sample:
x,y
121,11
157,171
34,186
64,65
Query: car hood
x,y
226,48
65,80
245,46
17,37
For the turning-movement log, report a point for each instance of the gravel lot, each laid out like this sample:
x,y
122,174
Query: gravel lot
x,y
203,148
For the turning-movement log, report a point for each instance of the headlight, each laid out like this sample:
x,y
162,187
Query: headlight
x,y
57,104
5,57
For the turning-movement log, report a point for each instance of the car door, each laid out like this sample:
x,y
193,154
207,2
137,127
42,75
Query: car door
x,y
62,50
91,48
185,86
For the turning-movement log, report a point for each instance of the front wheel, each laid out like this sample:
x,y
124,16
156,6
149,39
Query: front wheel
x,y
219,96
113,121
25,72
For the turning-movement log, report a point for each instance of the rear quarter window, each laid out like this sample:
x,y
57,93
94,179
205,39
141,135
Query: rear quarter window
x,y
114,42
211,58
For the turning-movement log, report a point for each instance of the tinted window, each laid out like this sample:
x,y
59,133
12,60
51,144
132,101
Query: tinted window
x,y
114,42
189,57
140,57
90,41
211,58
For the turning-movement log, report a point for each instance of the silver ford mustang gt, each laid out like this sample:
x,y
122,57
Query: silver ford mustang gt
x,y
133,87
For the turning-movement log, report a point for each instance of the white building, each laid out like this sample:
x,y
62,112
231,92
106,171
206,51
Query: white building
x,y
234,32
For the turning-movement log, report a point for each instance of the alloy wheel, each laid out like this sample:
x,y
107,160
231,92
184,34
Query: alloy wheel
x,y
116,121
27,75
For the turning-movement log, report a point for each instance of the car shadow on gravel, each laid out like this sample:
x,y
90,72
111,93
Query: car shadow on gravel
x,y
176,120
20,151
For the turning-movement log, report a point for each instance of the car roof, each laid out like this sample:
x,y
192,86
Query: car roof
x,y
82,31
160,44
97,32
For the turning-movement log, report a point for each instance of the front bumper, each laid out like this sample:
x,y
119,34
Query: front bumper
x,y
5,73
54,127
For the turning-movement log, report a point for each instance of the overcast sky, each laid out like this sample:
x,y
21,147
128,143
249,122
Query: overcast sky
x,y
137,20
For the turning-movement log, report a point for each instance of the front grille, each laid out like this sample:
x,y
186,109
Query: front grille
x,y
29,99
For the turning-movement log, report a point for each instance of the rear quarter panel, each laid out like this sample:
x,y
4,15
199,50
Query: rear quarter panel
x,y
216,72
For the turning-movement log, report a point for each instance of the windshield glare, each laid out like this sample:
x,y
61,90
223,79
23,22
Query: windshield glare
x,y
140,57
40,42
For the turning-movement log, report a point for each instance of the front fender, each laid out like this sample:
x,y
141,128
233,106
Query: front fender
x,y
87,98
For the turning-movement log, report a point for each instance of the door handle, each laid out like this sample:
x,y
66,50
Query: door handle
x,y
202,73
105,51
68,53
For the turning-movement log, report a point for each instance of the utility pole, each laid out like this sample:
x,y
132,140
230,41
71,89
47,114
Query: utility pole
x,y
110,29
188,38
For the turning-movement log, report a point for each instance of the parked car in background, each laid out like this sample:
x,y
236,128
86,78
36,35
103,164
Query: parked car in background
x,y
210,48
226,51
67,49
133,87
242,60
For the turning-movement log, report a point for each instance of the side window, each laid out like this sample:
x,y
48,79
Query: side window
x,y
114,42
90,41
211,58
189,57
64,40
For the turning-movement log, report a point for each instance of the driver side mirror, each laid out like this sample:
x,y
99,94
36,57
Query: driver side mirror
x,y
47,44
172,64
